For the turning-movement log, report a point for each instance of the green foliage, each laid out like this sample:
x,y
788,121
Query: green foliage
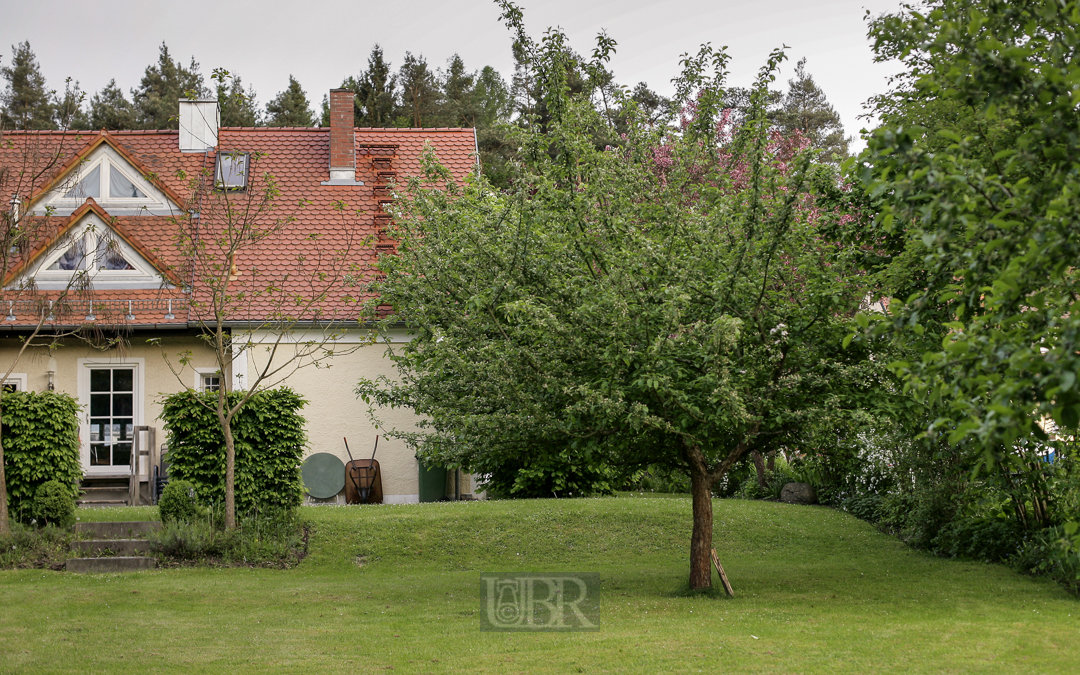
x,y
54,505
178,503
41,443
290,108
157,98
270,440
27,102
110,109
555,474
35,547
986,539
269,538
1054,552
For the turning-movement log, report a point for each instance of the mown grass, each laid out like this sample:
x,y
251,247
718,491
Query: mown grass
x,y
397,589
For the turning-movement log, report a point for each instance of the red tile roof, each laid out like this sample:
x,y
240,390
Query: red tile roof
x,y
334,231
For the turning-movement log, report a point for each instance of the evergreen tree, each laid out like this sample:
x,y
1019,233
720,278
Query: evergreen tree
x,y
421,97
110,109
375,97
805,109
492,98
27,103
459,108
157,100
290,108
238,107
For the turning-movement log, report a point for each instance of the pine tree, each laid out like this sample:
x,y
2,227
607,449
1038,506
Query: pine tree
x,y
157,100
110,109
805,109
27,103
459,105
290,108
374,89
420,94
238,107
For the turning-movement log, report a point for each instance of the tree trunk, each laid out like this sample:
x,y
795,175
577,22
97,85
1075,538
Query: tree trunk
x,y
701,539
230,472
759,464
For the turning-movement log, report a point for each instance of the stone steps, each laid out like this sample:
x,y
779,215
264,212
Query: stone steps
x,y
119,538
118,547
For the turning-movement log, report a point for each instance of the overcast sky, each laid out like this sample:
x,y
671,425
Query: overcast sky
x,y
320,42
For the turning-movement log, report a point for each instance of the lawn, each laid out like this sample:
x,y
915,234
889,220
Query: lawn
x,y
398,588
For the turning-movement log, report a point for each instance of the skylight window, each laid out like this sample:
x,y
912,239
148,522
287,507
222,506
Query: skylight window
x,y
232,170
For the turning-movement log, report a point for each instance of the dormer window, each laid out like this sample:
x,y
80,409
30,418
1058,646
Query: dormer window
x,y
106,255
103,178
232,171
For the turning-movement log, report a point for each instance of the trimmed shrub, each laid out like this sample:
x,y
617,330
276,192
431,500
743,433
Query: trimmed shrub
x,y
40,434
54,505
178,503
270,440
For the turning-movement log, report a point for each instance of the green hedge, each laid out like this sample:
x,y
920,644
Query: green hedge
x,y
270,441
41,443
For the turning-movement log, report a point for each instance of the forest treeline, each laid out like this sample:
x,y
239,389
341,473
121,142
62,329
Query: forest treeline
x,y
414,94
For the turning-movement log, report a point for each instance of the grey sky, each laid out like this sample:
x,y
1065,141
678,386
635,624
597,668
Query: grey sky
x,y
321,42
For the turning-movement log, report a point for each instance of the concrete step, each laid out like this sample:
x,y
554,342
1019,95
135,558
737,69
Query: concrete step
x,y
118,530
118,547
110,565
95,503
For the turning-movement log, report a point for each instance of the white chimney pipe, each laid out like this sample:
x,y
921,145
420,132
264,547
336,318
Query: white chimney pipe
x,y
199,123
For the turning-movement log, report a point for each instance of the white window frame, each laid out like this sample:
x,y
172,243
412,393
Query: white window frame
x,y
19,380
85,365
201,373
219,184
143,273
107,167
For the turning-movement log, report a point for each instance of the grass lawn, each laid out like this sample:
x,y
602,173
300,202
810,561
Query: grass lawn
x,y
398,588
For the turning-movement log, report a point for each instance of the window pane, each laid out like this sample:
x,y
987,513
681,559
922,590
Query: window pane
x,y
97,429
99,455
123,379
74,258
121,454
88,186
231,171
123,430
121,187
109,256
122,405
99,380
99,405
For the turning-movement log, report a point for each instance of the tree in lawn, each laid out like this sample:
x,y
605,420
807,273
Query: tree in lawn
x,y
162,86
290,108
678,299
27,162
303,311
27,102
976,162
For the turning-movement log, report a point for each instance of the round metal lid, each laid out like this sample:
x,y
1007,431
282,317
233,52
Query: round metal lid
x,y
323,474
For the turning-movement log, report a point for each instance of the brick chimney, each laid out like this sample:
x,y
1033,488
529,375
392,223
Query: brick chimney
x,y
342,142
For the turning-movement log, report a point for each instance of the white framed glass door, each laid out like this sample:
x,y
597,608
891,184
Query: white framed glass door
x,y
111,396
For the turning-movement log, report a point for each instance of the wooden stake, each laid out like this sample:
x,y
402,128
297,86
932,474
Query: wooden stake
x,y
723,577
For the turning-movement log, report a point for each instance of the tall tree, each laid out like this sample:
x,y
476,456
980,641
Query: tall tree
x,y
459,102
420,94
68,111
805,109
375,93
237,105
27,102
157,99
110,109
290,108
678,300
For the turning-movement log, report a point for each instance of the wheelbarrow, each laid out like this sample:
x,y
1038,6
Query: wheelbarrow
x,y
363,480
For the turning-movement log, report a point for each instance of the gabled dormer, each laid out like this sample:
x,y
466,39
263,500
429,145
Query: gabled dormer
x,y
106,173
92,247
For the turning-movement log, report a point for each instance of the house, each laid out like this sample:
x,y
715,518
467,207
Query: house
x,y
109,209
